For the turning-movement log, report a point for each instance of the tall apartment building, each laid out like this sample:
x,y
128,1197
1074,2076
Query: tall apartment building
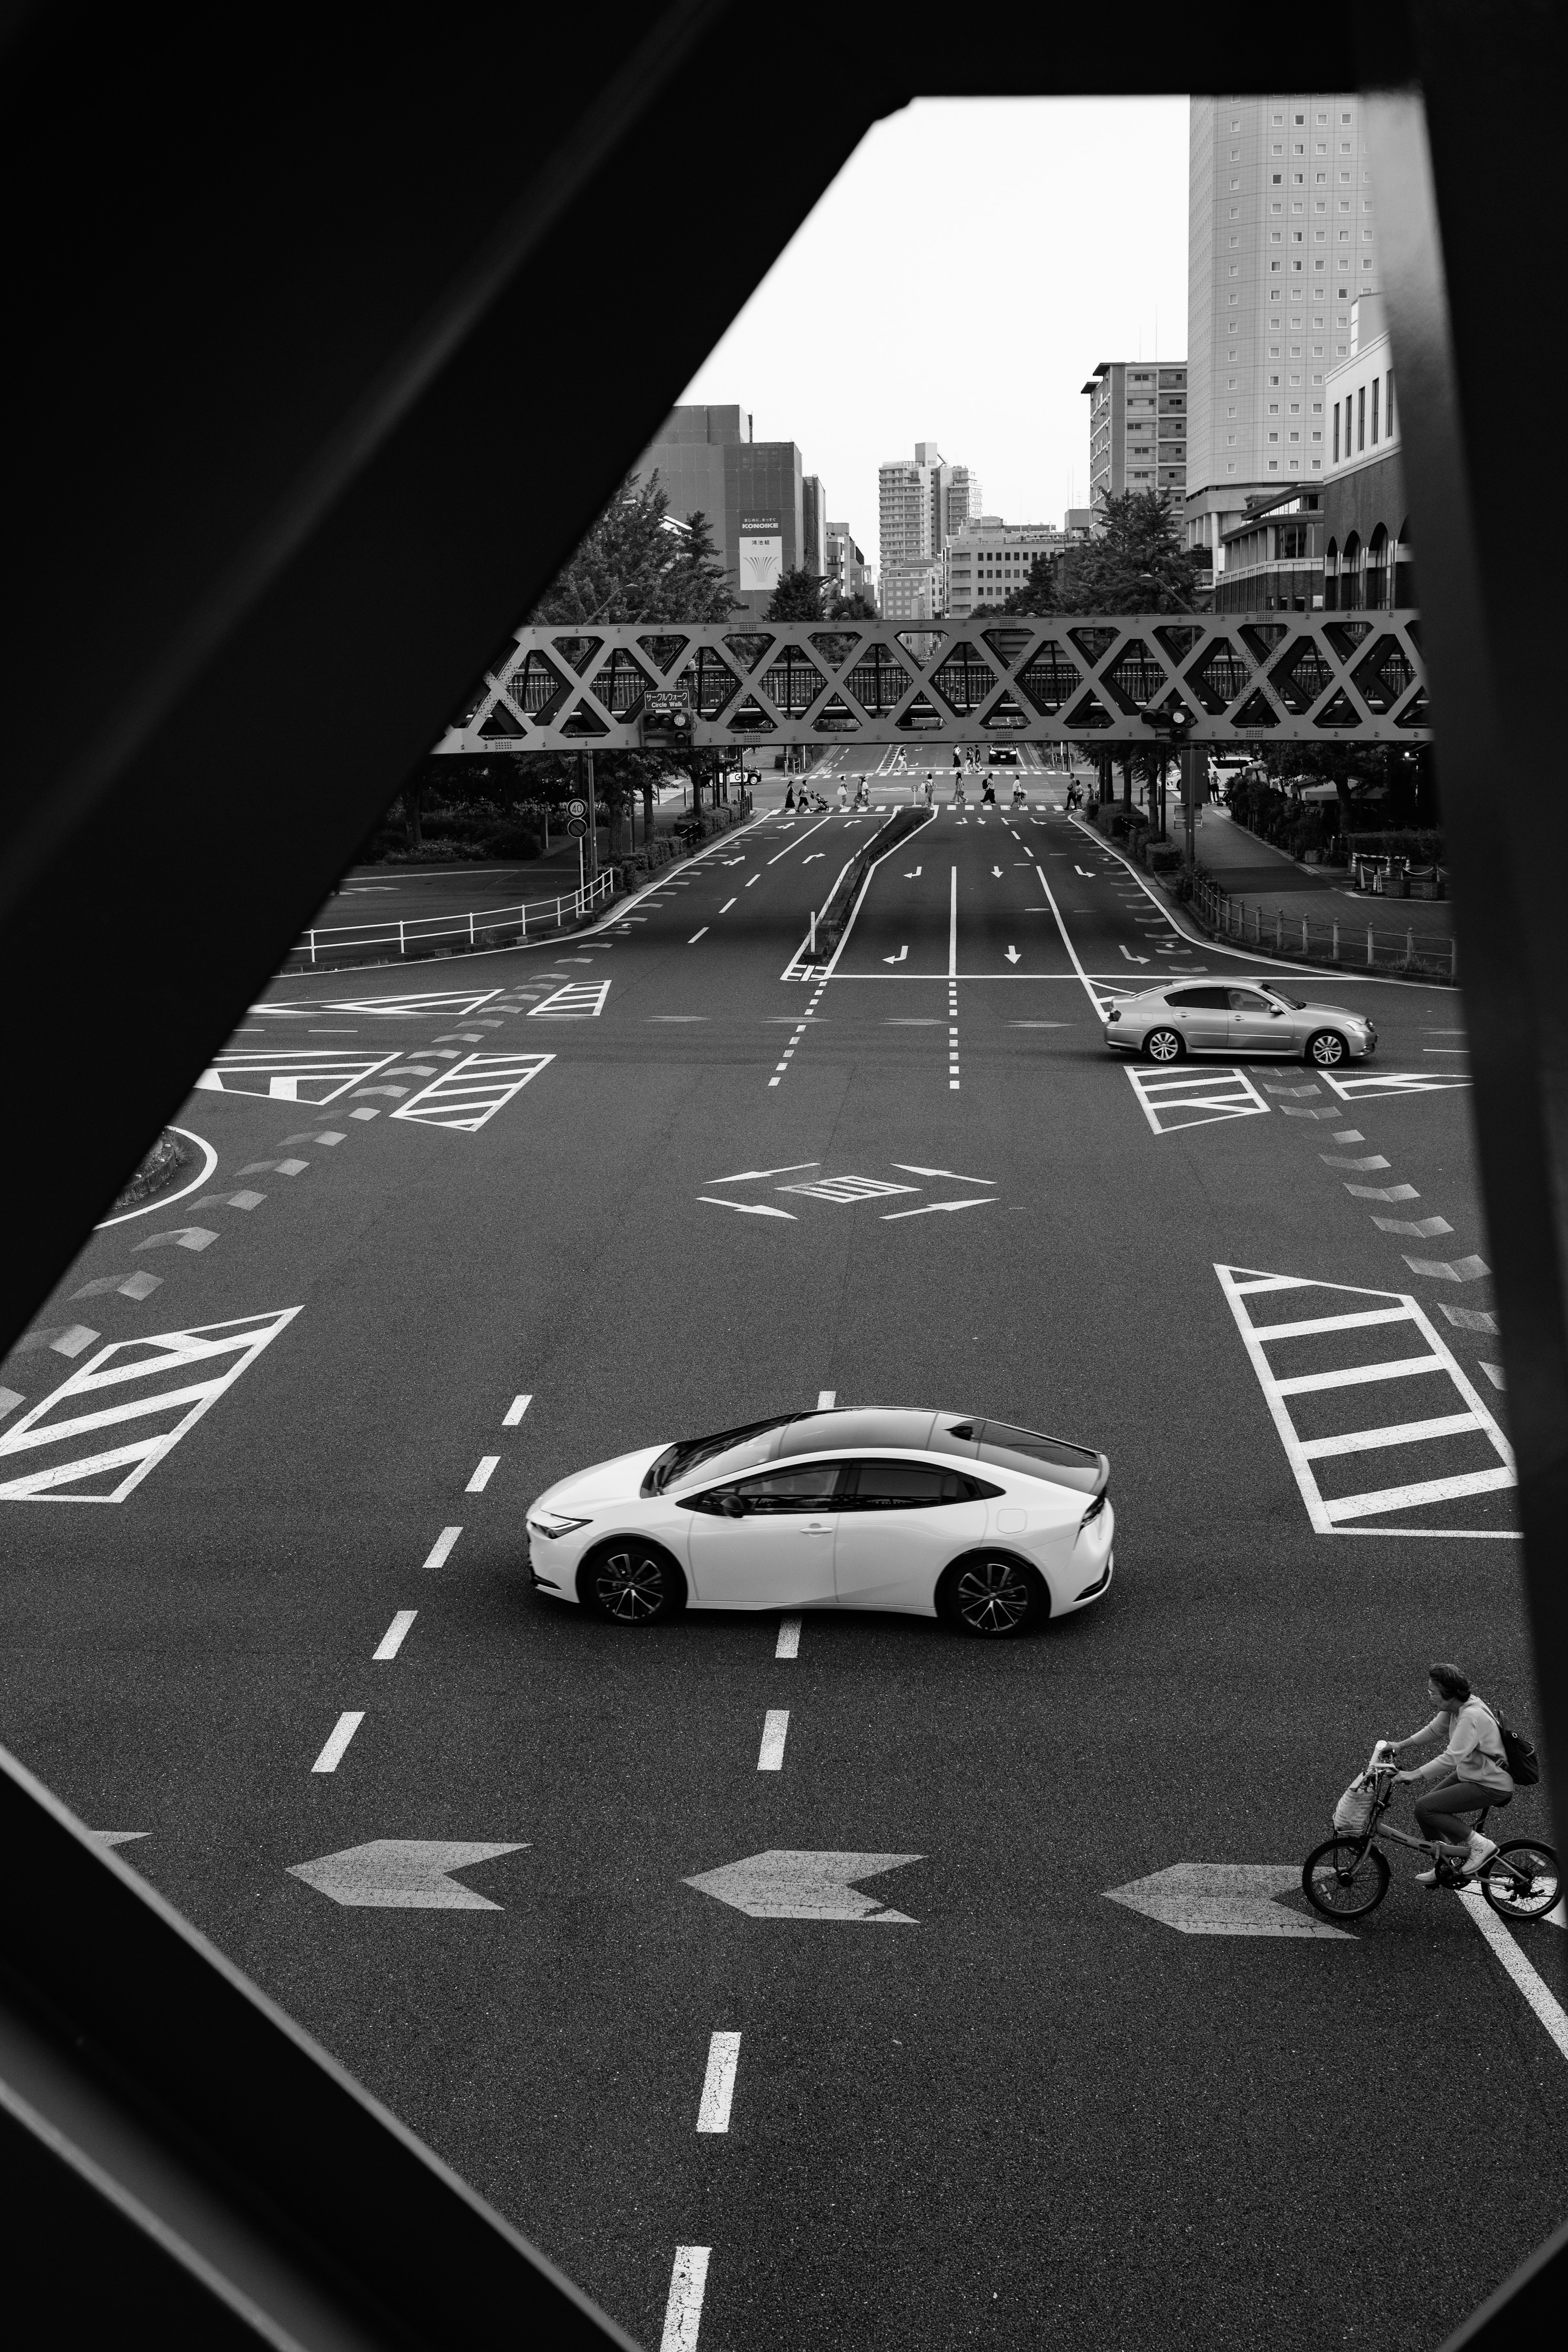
x,y
985,559
1282,239
813,526
920,502
1137,428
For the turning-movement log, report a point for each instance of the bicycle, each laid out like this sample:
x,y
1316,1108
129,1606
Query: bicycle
x,y
1346,1877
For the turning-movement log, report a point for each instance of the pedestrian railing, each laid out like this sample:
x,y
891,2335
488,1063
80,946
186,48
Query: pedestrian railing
x,y
431,935
1351,946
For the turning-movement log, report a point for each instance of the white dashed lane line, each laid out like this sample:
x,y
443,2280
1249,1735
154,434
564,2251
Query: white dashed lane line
x,y
441,1549
776,1730
702,934
788,1644
333,1754
683,2311
392,1641
515,1411
719,2082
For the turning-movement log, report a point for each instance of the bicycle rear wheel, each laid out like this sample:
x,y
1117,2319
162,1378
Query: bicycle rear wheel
x,y
1520,1880
1343,1879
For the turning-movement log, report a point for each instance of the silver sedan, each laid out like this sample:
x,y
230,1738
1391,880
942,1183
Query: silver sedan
x,y
1197,1017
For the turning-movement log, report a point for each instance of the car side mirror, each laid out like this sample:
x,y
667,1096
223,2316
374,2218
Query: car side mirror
x,y
1277,1014
731,1507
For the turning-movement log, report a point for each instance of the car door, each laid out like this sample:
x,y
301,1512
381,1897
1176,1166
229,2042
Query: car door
x,y
1203,1016
1257,1025
766,1541
899,1524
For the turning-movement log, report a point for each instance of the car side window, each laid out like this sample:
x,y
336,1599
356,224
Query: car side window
x,y
1242,999
910,1486
1210,1000
774,1493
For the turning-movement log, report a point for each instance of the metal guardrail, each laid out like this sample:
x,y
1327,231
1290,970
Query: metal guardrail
x,y
1348,946
426,934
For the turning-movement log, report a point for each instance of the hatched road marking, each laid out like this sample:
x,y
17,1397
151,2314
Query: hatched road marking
x,y
147,1382
284,1075
1397,1082
584,999
1171,1103
469,1095
1332,1515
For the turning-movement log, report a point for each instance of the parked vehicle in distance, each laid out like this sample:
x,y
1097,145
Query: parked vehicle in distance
x,y
1239,1021
994,1528
1004,755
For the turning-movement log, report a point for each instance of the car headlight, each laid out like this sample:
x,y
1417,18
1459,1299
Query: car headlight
x,y
552,1523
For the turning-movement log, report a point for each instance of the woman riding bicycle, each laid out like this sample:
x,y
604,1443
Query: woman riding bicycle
x,y
1471,1773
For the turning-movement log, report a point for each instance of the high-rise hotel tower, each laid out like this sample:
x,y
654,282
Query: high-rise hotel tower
x,y
1281,240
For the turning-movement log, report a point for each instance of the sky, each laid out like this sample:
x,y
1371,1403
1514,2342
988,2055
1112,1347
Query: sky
x,y
959,282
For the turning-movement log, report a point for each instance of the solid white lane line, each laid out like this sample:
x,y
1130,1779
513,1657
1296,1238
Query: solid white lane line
x,y
719,2082
683,2311
795,843
788,1644
441,1549
482,1477
1544,2003
393,1639
331,1755
515,1411
775,1727
953,927
826,1398
702,934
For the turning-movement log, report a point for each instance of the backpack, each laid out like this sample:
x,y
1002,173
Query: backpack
x,y
1519,1752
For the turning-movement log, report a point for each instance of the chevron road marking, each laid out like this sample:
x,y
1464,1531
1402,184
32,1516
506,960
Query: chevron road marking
x,y
1224,1899
1171,1103
470,1093
401,1874
282,1075
146,1382
784,1883
1405,1318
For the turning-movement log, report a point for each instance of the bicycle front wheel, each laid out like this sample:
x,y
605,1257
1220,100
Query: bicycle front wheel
x,y
1344,1879
1520,1881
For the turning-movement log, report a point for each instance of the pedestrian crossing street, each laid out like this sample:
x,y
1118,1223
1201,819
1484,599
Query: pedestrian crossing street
x,y
96,1437
1364,1373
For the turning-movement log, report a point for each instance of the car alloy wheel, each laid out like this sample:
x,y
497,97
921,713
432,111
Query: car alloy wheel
x,y
1163,1046
1327,1049
631,1583
991,1595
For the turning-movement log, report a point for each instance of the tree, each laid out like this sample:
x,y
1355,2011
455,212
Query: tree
x,y
797,597
1037,594
1135,563
851,608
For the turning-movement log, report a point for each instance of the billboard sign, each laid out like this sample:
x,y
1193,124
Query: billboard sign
x,y
760,559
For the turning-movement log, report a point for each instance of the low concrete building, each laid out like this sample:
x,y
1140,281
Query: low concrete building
x,y
1367,561
987,559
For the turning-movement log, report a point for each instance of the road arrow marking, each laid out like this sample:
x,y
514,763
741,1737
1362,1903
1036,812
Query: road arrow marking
x,y
907,1168
1012,954
401,1874
914,875
782,1884
933,1208
1132,958
753,1175
1085,872
749,1208
897,958
1223,1898
997,871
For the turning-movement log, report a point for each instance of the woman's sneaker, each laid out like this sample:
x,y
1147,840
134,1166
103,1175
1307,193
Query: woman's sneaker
x,y
1481,1852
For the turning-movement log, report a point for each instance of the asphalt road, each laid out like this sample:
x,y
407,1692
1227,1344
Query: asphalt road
x,y
1034,2117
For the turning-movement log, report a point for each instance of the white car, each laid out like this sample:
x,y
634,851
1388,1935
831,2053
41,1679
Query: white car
x,y
1239,1019
934,1514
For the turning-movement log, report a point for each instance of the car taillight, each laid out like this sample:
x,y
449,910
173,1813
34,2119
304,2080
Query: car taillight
x,y
1093,1511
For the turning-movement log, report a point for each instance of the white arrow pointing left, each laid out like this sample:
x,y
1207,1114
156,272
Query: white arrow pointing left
x,y
783,1883
897,958
1223,1898
401,1873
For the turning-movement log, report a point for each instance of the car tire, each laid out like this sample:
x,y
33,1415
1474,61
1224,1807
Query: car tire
x,y
630,1582
993,1595
1325,1050
1165,1047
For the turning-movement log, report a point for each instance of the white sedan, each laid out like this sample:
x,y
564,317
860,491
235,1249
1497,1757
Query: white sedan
x,y
934,1514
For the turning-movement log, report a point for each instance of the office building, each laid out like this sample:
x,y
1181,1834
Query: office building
x,y
987,559
1282,241
1138,429
814,527
688,453
848,573
752,492
1367,560
912,591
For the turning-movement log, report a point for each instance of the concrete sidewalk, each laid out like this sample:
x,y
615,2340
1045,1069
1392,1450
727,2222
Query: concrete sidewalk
x,y
1273,884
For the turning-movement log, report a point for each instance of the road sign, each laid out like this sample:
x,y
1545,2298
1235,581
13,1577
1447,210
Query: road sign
x,y
576,808
574,825
401,1873
786,1885
1223,1898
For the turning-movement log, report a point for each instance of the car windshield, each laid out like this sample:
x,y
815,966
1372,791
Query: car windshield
x,y
1296,1003
726,1451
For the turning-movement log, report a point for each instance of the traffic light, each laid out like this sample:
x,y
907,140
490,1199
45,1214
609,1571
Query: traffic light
x,y
666,720
1173,718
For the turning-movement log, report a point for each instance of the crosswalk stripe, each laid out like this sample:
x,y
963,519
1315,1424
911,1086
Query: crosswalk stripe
x,y
1392,1432
1397,1368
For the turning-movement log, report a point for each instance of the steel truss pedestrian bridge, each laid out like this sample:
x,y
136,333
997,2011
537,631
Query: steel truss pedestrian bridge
x,y
1245,678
